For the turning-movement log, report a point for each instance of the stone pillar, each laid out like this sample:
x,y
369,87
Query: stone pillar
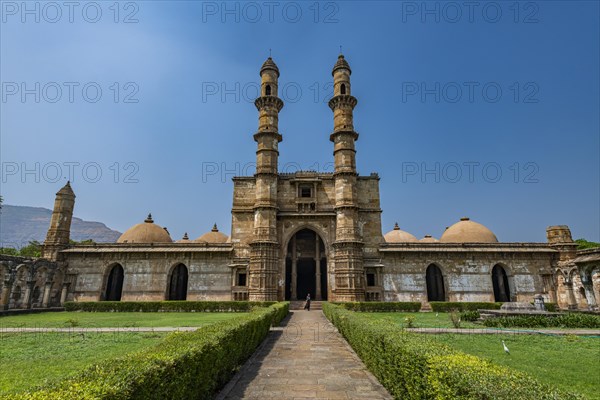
x,y
572,305
6,290
588,286
294,282
317,269
27,297
64,292
46,298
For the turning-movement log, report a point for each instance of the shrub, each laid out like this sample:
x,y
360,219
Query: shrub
x,y
413,366
469,315
447,306
166,306
185,365
383,306
567,320
455,318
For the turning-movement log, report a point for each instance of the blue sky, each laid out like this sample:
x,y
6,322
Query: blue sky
x,y
490,112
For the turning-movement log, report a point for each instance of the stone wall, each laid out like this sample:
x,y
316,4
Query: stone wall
x,y
146,274
466,270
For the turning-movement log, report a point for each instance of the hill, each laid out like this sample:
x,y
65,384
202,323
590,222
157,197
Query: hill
x,y
19,225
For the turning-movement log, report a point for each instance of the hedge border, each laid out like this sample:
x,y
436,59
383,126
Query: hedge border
x,y
165,306
382,306
413,366
185,365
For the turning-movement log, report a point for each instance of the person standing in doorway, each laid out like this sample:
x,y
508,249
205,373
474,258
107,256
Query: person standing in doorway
x,y
307,305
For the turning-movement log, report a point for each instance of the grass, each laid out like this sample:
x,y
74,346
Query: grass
x,y
31,359
569,362
422,319
111,319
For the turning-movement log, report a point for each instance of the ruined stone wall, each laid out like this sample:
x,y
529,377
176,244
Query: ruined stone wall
x,y
146,275
467,275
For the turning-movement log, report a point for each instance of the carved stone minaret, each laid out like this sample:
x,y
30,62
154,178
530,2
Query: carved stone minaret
x,y
264,248
59,232
348,244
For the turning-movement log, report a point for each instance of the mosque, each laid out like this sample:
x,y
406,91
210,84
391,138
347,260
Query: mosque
x,y
298,233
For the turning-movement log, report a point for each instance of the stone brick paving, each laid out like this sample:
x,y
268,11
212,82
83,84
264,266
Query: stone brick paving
x,y
306,358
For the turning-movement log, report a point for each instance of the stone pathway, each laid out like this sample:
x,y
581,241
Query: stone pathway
x,y
304,358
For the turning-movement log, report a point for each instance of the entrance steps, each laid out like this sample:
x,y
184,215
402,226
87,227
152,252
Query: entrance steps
x,y
299,305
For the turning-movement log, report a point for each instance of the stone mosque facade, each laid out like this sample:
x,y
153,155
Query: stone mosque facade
x,y
298,233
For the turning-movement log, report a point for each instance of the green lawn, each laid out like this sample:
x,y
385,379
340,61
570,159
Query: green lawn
x,y
568,362
421,319
31,359
112,319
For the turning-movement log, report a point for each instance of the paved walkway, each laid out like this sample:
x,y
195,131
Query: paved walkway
x,y
305,358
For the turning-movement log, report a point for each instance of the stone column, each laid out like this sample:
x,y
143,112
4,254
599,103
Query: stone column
x,y
27,297
317,269
571,295
294,282
64,292
5,299
46,298
588,286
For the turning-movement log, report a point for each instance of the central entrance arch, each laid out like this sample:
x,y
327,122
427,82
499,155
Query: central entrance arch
x,y
306,267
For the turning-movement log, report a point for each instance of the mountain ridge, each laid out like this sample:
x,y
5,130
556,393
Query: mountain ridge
x,y
21,224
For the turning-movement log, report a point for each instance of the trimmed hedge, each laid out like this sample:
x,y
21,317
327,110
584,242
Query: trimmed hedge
x,y
567,320
377,306
166,306
413,366
447,306
185,365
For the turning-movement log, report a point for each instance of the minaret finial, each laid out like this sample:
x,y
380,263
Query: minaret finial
x,y
396,227
149,219
215,229
269,53
340,49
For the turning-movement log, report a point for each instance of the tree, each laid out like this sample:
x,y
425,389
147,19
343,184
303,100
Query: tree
x,y
33,249
585,244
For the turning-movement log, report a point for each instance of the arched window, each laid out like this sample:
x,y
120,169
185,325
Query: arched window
x,y
435,284
343,89
178,283
500,283
114,284
268,90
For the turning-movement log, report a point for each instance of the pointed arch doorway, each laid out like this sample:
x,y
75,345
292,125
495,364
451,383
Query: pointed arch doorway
x,y
306,267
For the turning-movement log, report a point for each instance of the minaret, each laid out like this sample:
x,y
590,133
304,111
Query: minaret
x,y
59,232
348,244
264,248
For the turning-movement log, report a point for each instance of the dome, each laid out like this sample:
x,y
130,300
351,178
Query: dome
x,y
269,64
214,236
184,239
429,239
147,232
467,231
341,63
399,236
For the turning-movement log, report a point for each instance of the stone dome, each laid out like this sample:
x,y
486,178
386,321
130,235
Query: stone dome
x,y
341,63
399,236
429,239
214,236
184,239
146,232
467,231
269,64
